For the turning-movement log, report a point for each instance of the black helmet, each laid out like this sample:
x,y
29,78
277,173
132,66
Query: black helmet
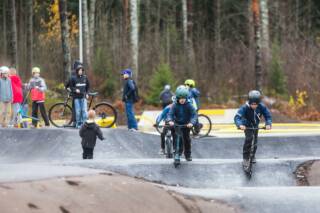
x,y
254,96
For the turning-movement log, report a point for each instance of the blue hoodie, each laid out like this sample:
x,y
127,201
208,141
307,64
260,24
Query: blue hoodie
x,y
164,114
194,93
251,118
183,114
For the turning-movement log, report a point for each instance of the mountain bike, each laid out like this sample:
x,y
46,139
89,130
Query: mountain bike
x,y
61,114
178,128
169,145
200,130
248,169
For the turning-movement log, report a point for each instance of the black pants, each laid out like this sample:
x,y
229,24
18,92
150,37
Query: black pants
x,y
163,136
73,113
87,153
250,135
43,112
186,141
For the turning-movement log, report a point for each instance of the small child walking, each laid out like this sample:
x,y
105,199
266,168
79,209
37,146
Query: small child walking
x,y
89,133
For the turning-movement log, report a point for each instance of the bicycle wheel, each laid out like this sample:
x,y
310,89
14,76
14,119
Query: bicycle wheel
x,y
106,114
203,127
169,150
60,115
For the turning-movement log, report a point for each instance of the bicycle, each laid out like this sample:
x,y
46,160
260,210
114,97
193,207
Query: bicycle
x,y
21,117
176,160
168,140
61,114
200,130
248,170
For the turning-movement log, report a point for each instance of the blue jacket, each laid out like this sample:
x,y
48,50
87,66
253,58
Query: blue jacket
x,y
6,94
251,118
129,91
183,113
164,114
194,93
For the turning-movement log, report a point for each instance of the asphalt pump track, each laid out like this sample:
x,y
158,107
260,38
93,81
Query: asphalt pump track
x,y
214,173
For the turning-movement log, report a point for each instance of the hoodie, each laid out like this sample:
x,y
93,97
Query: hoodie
x,y
16,89
89,133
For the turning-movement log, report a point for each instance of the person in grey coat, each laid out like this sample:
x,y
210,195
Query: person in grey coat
x,y
5,96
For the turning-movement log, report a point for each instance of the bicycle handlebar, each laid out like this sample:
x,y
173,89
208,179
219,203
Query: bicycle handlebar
x,y
166,125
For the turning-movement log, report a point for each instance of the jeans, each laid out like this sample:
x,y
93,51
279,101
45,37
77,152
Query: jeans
x,y
81,109
132,122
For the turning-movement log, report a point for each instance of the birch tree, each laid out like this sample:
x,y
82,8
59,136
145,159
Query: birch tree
x,y
134,36
187,11
86,35
257,41
265,41
65,38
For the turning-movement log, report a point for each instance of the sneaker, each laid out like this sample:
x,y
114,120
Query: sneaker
x,y
254,160
189,158
161,152
133,130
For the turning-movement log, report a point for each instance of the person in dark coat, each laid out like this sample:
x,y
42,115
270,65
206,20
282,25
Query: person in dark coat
x,y
183,113
89,133
249,116
80,87
166,96
130,97
68,87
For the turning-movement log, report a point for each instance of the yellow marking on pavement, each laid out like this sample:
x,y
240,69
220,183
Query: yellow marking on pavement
x,y
212,111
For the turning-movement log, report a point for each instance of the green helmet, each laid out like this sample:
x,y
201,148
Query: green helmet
x,y
190,83
182,92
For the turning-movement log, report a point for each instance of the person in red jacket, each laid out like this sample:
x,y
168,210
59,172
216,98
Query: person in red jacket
x,y
38,87
17,96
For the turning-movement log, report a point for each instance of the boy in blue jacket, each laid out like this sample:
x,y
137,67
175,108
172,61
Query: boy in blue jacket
x,y
249,116
164,117
183,113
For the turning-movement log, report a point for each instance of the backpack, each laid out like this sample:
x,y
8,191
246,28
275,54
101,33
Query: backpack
x,y
136,96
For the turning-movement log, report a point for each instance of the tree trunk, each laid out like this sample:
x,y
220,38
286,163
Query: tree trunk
x,y
257,39
217,35
297,11
187,11
134,37
4,25
265,41
92,14
86,35
65,38
12,33
29,9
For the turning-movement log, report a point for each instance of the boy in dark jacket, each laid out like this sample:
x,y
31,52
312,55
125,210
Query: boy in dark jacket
x,y
183,113
166,96
89,133
80,87
249,116
129,97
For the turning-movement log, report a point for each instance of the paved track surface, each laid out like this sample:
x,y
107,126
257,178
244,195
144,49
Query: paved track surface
x,y
215,172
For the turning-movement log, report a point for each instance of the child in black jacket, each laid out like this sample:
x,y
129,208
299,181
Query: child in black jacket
x,y
89,133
